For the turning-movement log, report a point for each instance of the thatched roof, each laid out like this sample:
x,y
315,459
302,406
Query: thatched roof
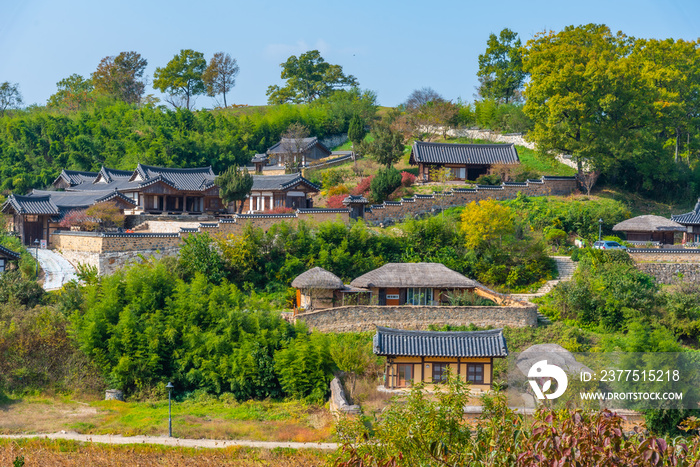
x,y
317,278
414,275
648,224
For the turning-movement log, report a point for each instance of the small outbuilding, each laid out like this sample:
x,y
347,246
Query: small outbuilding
x,y
465,161
649,229
413,284
318,289
429,356
8,259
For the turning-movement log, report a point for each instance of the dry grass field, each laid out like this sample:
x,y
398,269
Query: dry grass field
x,y
44,453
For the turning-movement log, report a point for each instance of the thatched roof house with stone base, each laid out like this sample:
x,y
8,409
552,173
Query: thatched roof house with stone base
x,y
649,229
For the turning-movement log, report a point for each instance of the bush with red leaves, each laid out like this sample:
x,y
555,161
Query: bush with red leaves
x,y
363,186
279,210
407,179
336,201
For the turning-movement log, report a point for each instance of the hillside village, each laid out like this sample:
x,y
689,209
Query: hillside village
x,y
284,277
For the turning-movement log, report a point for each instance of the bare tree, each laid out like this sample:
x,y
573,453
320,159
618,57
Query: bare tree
x,y
293,145
588,179
422,96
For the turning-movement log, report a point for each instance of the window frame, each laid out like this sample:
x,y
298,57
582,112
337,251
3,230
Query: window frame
x,y
444,367
475,365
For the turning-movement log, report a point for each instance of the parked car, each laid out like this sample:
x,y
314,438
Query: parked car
x,y
608,245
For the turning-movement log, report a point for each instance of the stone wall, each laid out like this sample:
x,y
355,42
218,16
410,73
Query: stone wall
x,y
394,211
672,273
109,262
365,318
668,266
333,141
665,255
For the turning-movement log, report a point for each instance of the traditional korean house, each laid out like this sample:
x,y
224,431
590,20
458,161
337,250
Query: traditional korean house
x,y
691,222
8,259
465,161
414,284
649,229
429,356
36,215
318,289
302,151
280,191
158,190
69,178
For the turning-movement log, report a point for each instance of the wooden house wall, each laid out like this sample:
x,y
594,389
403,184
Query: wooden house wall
x,y
423,370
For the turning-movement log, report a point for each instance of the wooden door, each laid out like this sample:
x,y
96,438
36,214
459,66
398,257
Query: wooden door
x,y
33,231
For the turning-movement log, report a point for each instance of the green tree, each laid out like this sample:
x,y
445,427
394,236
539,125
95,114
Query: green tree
x,y
384,183
234,185
501,67
356,131
387,145
121,77
199,255
74,93
308,77
182,78
220,75
10,97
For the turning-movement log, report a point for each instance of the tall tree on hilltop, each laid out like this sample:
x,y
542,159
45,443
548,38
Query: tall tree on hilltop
x,y
501,67
308,77
422,96
234,185
220,75
74,93
121,77
10,96
182,78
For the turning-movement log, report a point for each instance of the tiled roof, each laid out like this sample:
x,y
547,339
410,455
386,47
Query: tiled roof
x,y
280,182
287,145
9,253
472,154
58,203
648,223
390,342
359,199
689,218
107,175
260,158
76,177
30,205
195,179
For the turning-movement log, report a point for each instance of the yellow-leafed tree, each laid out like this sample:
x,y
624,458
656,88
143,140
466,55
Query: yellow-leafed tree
x,y
486,221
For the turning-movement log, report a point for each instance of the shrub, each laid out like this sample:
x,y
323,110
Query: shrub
x,y
384,183
363,187
104,216
279,210
336,201
556,237
407,179
74,218
493,179
331,178
14,287
338,190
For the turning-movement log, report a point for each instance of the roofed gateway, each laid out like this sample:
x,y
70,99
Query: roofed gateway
x,y
428,356
466,161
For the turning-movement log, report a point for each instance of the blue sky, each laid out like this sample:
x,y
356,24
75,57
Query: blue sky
x,y
392,47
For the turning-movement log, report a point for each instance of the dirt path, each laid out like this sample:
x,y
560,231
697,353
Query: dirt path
x,y
166,441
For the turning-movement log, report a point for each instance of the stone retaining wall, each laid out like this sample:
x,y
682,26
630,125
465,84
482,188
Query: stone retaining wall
x,y
109,262
665,256
423,204
672,273
365,318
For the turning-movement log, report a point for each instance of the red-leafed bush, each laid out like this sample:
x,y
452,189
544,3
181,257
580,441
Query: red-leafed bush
x,y
74,218
279,210
363,186
336,201
407,179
